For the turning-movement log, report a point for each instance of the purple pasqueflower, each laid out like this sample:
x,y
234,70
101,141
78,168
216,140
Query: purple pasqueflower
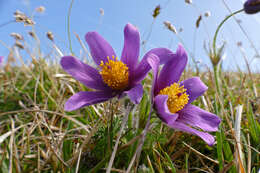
x,y
172,99
252,6
112,77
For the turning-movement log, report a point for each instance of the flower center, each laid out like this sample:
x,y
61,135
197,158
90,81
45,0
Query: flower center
x,y
114,73
177,97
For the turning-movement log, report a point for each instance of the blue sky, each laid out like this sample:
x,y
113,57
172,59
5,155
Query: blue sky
x,y
86,17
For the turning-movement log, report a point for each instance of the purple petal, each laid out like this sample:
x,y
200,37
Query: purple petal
x,y
200,118
209,139
131,48
100,49
135,94
172,70
82,72
160,103
154,62
86,98
195,88
143,67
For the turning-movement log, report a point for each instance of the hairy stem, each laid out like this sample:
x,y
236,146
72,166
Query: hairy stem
x,y
216,71
220,25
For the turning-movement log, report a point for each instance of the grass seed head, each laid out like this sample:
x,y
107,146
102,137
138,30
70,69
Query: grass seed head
x,y
16,36
50,35
156,11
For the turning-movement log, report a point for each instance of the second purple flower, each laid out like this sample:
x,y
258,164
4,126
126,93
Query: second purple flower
x,y
172,99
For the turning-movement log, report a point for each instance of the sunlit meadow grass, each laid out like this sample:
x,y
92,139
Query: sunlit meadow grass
x,y
36,135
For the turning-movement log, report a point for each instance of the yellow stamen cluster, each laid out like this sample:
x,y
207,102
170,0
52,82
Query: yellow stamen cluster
x,y
177,97
114,73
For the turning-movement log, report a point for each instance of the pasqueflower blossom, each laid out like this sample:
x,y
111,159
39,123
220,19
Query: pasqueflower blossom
x,y
172,99
252,6
112,77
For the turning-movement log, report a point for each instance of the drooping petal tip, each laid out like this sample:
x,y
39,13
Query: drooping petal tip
x,y
208,138
199,118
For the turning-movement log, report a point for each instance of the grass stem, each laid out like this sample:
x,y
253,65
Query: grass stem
x,y
68,26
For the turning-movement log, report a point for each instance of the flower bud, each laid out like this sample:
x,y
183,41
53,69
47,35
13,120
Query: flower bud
x,y
252,6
